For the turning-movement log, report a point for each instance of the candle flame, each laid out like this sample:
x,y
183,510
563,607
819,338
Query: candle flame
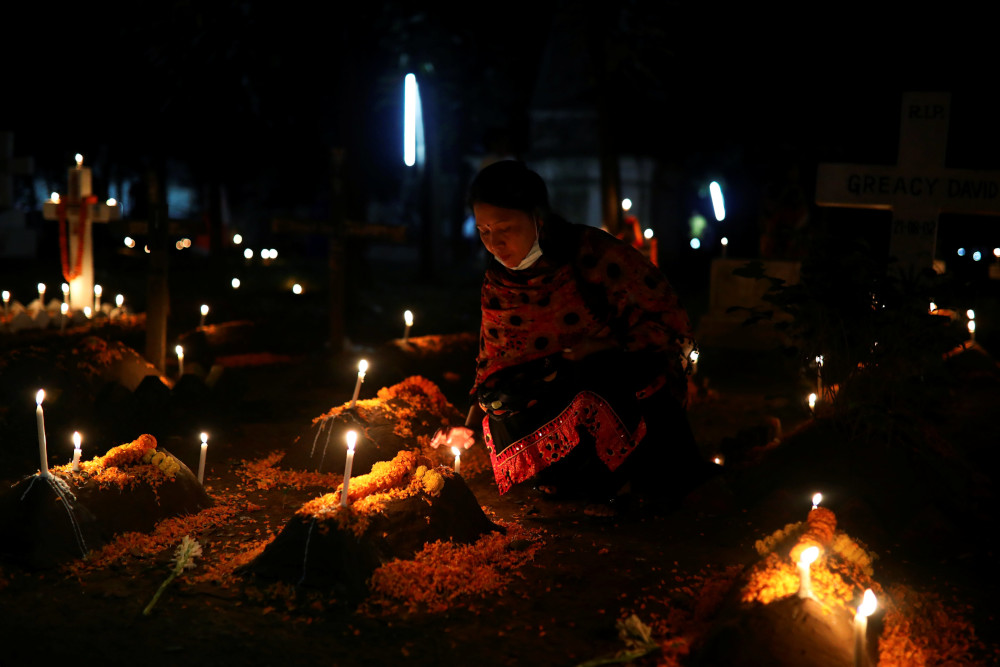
x,y
647,233
362,366
352,439
236,283
408,318
54,197
111,201
868,604
41,289
809,556
64,308
77,439
40,396
972,326
204,309
98,290
812,401
819,360
971,314
119,300
6,296
79,160
817,498
87,312
718,459
454,450
180,352
933,306
65,288
693,356
204,438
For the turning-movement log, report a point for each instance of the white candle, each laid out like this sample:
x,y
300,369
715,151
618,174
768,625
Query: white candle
x,y
204,312
458,459
40,420
352,438
408,321
180,360
972,330
201,460
65,291
41,294
865,609
98,290
6,302
817,499
806,560
63,311
76,451
362,369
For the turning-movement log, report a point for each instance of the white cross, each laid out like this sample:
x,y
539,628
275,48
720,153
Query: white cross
x,y
919,188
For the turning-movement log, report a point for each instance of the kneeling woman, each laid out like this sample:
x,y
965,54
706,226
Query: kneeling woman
x,y
581,371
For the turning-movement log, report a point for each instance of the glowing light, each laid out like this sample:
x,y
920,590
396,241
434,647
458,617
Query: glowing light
x,y
647,233
87,312
145,249
352,440
809,556
179,349
274,253
971,314
693,356
362,367
54,197
408,318
972,326
204,309
812,401
976,256
806,558
248,253
412,122
961,252
41,291
458,459
79,160
996,252
869,603
933,306
112,201
695,243
6,296
296,289
817,499
237,239
98,290
65,289
717,202
119,300
719,459
626,204
64,308
39,396
724,241
179,245
236,283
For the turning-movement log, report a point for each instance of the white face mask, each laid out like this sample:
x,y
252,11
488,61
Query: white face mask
x,y
532,256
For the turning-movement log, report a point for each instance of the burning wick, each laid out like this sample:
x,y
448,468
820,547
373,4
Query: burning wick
x,y
204,312
805,560
76,451
458,459
352,438
362,369
408,320
865,609
40,419
41,294
817,498
180,360
201,461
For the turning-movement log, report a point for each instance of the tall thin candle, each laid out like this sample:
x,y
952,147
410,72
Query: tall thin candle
x,y
868,605
458,459
98,291
201,460
805,561
76,451
408,321
352,438
204,312
180,360
362,369
40,420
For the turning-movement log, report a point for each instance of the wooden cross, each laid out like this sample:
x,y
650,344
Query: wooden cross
x,y
919,188
75,214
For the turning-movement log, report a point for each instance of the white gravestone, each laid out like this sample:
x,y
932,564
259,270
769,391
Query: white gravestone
x,y
75,213
919,188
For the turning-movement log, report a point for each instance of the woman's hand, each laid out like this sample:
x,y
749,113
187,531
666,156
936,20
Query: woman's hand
x,y
454,436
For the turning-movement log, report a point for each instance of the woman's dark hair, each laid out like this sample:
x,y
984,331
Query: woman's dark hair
x,y
510,184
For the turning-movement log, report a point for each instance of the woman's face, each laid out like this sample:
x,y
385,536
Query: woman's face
x,y
507,233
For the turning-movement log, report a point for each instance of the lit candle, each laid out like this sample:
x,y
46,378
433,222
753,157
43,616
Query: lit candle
x,y
40,420
812,401
933,307
87,312
408,320
98,291
458,459
63,311
120,304
352,438
725,245
76,451
41,294
805,560
201,460
6,302
235,283
865,609
204,312
971,314
972,330
362,369
693,361
180,360
817,499
65,291
719,460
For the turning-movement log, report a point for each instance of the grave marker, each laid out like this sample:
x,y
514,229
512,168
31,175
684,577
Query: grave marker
x,y
919,188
